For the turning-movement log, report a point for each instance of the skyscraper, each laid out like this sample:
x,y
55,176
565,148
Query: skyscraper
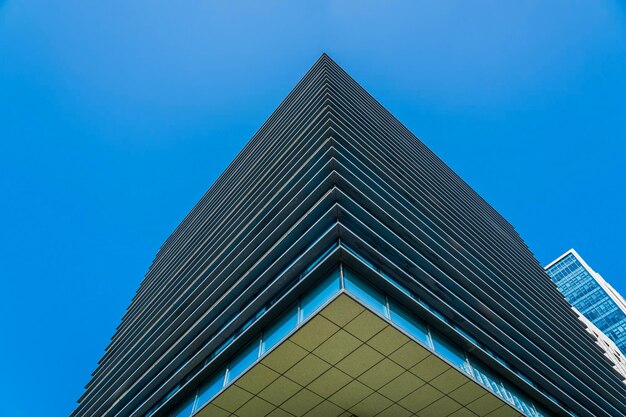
x,y
590,294
338,267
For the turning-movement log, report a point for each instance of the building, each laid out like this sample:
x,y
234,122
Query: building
x,y
339,268
609,348
590,294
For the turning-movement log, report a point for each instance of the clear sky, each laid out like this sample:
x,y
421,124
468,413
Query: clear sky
x,y
116,117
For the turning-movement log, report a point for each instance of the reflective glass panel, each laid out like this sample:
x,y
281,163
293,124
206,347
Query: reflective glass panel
x,y
520,401
243,360
487,377
410,324
281,327
366,293
319,294
209,388
453,354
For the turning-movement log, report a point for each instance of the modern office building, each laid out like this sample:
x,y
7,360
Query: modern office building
x,y
590,294
339,268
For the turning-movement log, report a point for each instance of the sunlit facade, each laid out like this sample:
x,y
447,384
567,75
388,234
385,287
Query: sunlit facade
x,y
590,294
338,268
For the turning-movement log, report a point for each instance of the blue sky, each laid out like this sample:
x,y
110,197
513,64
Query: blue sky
x,y
116,116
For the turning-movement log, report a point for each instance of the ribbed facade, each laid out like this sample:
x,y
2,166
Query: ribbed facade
x,y
330,175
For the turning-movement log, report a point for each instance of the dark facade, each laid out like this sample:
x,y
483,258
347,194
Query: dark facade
x,y
332,185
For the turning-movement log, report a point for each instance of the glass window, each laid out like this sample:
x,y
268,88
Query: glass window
x,y
321,293
243,360
281,327
486,377
209,389
410,324
520,401
450,352
184,409
540,412
366,293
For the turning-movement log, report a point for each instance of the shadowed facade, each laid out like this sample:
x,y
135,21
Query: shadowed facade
x,y
333,202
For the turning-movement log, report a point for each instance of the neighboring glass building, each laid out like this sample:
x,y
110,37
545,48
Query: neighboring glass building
x,y
339,268
590,294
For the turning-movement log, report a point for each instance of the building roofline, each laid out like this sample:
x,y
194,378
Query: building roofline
x,y
572,251
608,288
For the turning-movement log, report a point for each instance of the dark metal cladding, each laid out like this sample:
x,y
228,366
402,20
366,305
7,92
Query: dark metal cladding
x,y
332,164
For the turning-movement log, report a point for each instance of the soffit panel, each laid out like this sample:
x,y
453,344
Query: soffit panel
x,y
348,361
